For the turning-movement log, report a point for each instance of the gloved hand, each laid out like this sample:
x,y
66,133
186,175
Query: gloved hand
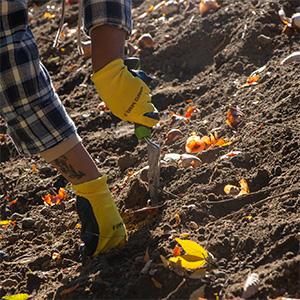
x,y
127,96
102,227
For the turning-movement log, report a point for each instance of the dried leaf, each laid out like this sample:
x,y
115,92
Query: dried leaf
x,y
146,256
223,143
34,168
150,9
194,258
251,285
78,226
195,144
188,261
52,200
232,118
207,5
10,200
48,16
207,140
5,222
230,154
16,297
251,80
230,189
146,41
192,248
249,218
244,187
176,251
164,261
190,110
254,77
236,191
177,219
156,283
56,256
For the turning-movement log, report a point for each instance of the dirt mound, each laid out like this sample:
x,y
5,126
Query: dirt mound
x,y
203,59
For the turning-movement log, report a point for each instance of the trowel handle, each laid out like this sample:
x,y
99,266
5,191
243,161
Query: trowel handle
x,y
142,132
133,65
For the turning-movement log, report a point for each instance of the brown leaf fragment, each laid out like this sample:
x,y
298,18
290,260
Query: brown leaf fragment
x,y
177,219
156,283
244,187
164,261
146,256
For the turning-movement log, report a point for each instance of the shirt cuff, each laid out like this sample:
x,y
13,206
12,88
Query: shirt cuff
x,y
107,12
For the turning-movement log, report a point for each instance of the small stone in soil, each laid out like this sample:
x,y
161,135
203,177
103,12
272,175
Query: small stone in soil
x,y
211,197
33,281
264,40
9,283
277,171
289,255
27,223
46,211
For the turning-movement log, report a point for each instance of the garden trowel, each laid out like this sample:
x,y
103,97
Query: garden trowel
x,y
144,133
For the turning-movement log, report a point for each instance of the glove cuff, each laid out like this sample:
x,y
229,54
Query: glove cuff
x,y
112,68
91,187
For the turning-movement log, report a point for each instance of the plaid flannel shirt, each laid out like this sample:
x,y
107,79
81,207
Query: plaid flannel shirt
x,y
35,116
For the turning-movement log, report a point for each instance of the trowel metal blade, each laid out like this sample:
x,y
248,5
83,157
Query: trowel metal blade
x,y
154,169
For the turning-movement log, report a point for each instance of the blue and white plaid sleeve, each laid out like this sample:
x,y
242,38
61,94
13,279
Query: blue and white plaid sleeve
x,y
36,118
107,12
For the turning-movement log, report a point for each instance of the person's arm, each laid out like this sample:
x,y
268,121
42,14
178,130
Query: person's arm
x,y
108,23
113,47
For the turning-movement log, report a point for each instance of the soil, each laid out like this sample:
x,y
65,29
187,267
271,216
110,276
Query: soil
x,y
205,59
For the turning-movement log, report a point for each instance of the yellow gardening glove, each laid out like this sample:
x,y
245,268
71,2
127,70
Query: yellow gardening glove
x,y
127,96
102,227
